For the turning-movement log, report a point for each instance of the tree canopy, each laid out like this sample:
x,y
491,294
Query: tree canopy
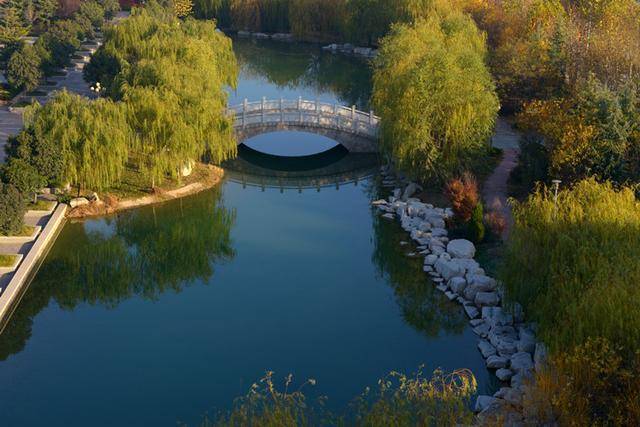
x,y
434,93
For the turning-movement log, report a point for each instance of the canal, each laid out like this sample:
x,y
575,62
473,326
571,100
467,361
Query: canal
x,y
162,314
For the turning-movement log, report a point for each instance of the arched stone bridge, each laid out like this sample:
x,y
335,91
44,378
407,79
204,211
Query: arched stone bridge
x,y
356,130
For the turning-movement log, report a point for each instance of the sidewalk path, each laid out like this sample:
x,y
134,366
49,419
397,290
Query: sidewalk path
x,y
495,189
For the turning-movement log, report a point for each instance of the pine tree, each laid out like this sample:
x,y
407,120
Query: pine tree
x,y
12,23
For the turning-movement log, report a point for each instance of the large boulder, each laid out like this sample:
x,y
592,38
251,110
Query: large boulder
x,y
449,269
483,402
461,248
78,201
457,285
522,363
483,299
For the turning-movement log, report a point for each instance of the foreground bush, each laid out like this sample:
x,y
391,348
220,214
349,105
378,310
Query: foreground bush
x,y
12,208
398,401
435,94
593,384
575,268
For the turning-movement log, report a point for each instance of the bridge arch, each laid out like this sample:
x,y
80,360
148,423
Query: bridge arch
x,y
356,130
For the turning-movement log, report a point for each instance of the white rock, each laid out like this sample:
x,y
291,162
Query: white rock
x,y
483,282
78,201
527,341
509,395
430,259
457,285
486,348
448,269
388,216
486,299
483,402
521,363
379,202
504,374
471,311
461,248
497,362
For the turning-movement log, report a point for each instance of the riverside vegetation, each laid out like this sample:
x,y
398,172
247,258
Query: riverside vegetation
x,y
568,69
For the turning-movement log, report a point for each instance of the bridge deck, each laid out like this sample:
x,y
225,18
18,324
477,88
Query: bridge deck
x,y
307,114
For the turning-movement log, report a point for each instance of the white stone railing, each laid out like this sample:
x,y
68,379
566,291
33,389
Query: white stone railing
x,y
305,113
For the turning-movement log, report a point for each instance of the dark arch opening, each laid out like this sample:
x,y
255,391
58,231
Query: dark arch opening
x,y
292,163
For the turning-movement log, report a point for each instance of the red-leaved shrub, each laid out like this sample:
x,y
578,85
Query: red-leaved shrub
x,y
463,194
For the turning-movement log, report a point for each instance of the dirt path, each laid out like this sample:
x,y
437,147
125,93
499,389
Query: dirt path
x,y
495,189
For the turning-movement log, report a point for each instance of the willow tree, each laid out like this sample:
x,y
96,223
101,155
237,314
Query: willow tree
x,y
93,136
171,76
435,94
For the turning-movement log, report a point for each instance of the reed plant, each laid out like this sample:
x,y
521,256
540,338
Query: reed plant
x,y
573,264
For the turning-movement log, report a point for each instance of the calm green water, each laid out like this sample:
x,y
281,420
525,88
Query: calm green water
x,y
162,314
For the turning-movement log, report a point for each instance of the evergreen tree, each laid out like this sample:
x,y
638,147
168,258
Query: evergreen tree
x,y
23,69
12,23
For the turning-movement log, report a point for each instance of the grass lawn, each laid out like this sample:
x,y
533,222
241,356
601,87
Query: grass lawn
x,y
40,205
7,260
135,185
26,231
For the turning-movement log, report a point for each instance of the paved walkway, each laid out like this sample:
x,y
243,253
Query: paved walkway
x,y
495,189
10,124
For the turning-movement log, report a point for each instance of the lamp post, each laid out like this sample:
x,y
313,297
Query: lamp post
x,y
98,88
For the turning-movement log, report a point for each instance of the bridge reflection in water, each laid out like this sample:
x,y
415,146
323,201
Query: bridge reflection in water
x,y
331,168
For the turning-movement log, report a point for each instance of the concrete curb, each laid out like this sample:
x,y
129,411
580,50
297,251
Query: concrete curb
x,y
22,276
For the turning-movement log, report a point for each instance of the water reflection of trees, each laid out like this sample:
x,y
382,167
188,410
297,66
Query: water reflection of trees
x,y
292,65
423,306
144,252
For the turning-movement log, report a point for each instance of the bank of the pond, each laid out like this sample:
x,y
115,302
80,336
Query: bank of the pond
x,y
507,342
203,178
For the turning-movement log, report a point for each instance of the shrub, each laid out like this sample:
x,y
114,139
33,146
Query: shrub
x,y
23,176
594,132
495,219
533,164
476,224
435,95
574,267
463,195
12,208
23,69
43,154
590,385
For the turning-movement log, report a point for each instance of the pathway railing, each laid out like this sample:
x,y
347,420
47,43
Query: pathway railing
x,y
302,112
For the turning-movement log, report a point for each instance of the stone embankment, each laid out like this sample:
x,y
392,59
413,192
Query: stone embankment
x,y
506,341
349,49
31,255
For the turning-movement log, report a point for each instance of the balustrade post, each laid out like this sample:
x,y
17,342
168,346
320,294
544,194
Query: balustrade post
x,y
262,109
353,118
370,117
300,109
244,112
317,111
281,112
